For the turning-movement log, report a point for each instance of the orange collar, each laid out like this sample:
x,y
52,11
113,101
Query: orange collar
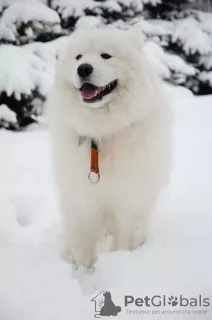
x,y
94,175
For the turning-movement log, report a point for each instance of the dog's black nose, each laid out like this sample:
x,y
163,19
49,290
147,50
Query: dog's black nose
x,y
84,70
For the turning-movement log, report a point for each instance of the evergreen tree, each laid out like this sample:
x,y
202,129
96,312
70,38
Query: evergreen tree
x,y
21,82
162,8
190,38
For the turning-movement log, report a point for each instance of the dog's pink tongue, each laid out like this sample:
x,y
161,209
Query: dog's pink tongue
x,y
89,93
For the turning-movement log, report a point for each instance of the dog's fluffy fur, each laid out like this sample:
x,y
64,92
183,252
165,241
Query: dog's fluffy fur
x,y
133,126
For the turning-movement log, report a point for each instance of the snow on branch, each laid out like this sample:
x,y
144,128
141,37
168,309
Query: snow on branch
x,y
6,114
17,14
188,33
20,71
152,2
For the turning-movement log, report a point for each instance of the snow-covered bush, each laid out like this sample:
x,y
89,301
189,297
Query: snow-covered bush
x,y
26,79
22,82
188,39
109,10
8,118
22,23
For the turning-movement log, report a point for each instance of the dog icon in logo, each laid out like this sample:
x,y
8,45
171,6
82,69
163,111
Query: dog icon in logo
x,y
104,305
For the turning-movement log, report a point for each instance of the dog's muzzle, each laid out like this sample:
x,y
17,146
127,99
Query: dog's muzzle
x,y
91,93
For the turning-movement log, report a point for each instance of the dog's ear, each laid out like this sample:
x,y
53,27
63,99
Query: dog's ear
x,y
136,29
136,35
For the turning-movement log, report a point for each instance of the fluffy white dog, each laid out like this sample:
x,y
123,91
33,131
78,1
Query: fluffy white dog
x,y
106,96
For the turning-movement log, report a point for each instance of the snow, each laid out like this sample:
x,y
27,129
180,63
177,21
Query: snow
x,y
6,3
22,12
37,285
189,34
69,8
165,62
47,50
24,72
76,8
112,5
137,4
206,61
88,22
31,66
6,114
205,20
177,64
155,54
152,2
19,12
156,27
206,77
47,53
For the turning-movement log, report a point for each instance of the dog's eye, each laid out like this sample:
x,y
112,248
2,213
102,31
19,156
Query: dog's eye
x,y
106,56
79,56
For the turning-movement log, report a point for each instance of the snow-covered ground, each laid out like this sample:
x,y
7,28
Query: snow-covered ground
x,y
35,284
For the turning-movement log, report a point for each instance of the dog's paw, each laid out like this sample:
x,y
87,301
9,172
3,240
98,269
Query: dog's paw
x,y
78,258
85,260
137,241
67,256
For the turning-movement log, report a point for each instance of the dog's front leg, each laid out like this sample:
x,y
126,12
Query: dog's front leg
x,y
80,237
131,228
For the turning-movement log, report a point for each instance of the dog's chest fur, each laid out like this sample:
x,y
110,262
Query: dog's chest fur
x,y
118,154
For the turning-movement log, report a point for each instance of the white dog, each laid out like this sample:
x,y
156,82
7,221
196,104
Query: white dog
x,y
106,96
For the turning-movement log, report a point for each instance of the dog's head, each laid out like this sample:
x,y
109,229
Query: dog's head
x,y
102,79
107,295
99,63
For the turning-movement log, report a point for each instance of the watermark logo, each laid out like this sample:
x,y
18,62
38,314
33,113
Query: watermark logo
x,y
104,305
166,305
173,301
150,305
166,301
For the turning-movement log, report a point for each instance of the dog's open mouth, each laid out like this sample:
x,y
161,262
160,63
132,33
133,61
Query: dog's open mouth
x,y
91,93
